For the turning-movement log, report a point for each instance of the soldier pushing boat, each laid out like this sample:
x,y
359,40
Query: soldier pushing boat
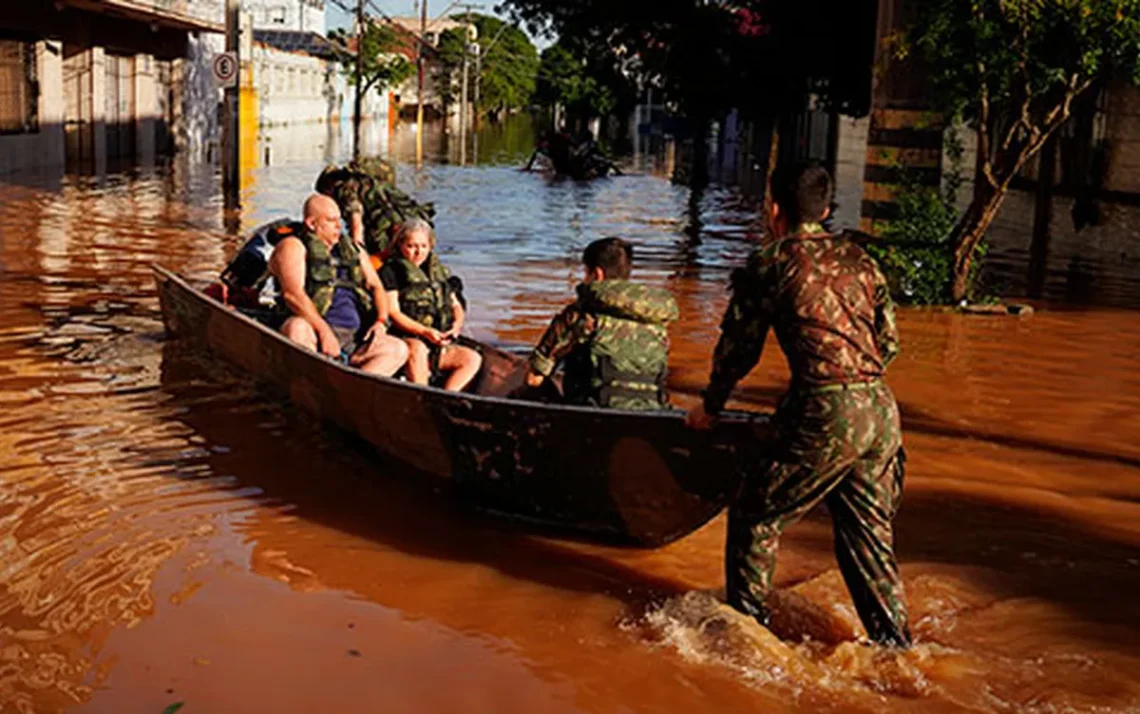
x,y
840,440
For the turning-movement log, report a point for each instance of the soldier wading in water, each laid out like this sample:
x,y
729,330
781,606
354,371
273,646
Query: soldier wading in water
x,y
840,441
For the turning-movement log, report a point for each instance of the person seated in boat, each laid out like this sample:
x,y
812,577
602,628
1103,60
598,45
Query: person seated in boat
x,y
426,310
613,339
332,295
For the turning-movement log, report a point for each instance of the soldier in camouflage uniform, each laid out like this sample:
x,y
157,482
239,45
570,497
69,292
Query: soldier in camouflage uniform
x,y
613,339
840,442
375,209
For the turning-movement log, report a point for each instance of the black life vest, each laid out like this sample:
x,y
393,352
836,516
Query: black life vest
x,y
246,279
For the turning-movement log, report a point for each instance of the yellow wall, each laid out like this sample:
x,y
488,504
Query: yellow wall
x,y
248,128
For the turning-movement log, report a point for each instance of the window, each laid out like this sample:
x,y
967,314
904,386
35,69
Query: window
x,y
19,90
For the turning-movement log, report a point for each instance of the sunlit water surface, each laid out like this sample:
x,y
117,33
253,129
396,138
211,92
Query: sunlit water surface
x,y
170,534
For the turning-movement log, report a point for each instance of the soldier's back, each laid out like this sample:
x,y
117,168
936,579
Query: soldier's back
x,y
824,293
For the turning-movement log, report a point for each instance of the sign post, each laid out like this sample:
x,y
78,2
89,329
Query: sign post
x,y
225,69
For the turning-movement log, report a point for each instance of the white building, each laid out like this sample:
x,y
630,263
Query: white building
x,y
294,15
300,79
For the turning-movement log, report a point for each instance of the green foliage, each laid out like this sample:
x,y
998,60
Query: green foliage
x,y
1017,54
509,63
919,265
710,57
921,270
383,66
1015,68
566,79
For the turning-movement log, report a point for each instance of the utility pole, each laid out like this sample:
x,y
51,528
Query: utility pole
x,y
475,104
478,76
231,175
463,103
479,71
359,80
420,85
463,107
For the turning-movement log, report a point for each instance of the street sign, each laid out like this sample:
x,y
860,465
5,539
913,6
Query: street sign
x,y
225,68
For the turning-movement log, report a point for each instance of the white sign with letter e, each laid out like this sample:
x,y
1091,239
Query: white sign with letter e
x,y
225,67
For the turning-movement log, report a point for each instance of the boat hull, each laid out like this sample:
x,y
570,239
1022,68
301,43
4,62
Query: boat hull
x,y
636,478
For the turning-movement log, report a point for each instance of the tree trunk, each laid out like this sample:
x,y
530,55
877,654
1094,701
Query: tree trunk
x,y
773,161
970,233
699,166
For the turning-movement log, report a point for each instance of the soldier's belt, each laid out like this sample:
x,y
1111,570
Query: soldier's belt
x,y
849,387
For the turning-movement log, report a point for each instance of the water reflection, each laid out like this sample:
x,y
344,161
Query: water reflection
x,y
170,533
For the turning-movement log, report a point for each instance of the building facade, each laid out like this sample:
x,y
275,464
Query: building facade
x,y
92,84
291,15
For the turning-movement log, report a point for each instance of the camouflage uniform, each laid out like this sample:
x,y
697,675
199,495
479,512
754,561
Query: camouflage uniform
x,y
615,343
840,441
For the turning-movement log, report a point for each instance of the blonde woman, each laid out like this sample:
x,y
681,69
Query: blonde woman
x,y
426,311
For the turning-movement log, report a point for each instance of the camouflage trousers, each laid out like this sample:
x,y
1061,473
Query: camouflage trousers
x,y
842,447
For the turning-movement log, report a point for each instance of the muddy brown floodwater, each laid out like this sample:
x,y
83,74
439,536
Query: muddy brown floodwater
x,y
170,534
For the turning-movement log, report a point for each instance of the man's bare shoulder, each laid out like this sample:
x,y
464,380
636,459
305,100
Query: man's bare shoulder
x,y
289,250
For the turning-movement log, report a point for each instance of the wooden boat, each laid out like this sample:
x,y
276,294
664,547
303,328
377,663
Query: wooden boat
x,y
632,477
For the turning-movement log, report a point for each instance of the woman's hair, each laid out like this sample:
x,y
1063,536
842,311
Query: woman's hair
x,y
410,226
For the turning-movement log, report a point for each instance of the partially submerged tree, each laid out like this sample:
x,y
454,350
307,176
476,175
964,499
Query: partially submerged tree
x,y
1014,68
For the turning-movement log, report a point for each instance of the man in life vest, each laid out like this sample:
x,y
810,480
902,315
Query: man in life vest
x,y
613,339
840,441
333,295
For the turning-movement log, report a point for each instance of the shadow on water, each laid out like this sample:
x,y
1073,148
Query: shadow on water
x,y
923,421
328,478
285,452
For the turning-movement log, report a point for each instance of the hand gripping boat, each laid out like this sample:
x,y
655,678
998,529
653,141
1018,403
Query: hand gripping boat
x,y
639,478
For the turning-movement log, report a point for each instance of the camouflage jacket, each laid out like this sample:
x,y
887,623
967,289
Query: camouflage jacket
x,y
830,308
368,190
615,344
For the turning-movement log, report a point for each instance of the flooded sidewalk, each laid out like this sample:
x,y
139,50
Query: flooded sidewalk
x,y
170,533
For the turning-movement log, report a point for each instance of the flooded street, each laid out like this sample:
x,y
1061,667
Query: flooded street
x,y
168,533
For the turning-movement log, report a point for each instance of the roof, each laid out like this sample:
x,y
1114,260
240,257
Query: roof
x,y
310,43
161,14
408,43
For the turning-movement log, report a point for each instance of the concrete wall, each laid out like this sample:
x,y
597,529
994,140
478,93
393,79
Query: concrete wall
x,y
146,108
850,167
42,148
199,98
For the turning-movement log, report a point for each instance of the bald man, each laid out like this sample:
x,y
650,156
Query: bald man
x,y
337,303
